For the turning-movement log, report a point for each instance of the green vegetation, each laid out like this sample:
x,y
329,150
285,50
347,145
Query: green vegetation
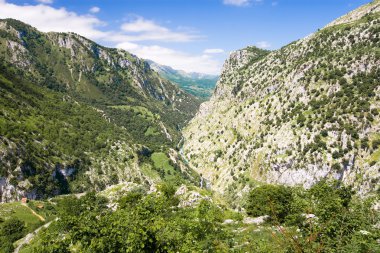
x,y
16,220
170,172
10,231
58,119
270,199
151,224
257,53
161,161
326,218
20,212
110,86
46,130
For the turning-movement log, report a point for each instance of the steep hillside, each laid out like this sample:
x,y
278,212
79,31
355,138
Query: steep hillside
x,y
77,116
293,116
110,79
197,84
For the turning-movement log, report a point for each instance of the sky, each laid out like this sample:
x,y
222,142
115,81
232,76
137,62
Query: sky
x,y
189,35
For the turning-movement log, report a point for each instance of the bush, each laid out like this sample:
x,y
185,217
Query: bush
x,y
375,144
131,199
364,143
167,189
270,200
12,229
336,167
6,246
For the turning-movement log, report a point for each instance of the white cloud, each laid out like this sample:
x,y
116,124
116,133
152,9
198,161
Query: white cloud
x,y
213,51
45,1
263,44
47,18
142,29
94,9
240,2
237,2
178,60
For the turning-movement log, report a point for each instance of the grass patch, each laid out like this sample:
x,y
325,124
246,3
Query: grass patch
x,y
151,131
149,172
45,209
21,212
162,165
161,161
90,90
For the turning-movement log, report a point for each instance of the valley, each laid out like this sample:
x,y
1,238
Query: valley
x,y
197,84
94,130
103,151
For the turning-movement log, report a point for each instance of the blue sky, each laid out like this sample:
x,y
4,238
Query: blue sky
x,y
192,35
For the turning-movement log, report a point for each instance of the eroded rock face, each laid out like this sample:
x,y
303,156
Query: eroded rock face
x,y
296,115
189,198
7,191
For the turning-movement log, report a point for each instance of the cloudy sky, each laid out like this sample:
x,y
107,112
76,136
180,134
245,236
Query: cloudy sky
x,y
192,35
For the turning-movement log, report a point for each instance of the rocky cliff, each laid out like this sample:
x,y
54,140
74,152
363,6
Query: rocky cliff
x,y
296,115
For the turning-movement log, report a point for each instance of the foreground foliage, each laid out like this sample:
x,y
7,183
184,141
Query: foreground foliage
x,y
141,224
326,218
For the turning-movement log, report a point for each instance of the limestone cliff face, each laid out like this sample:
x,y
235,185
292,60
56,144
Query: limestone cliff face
x,y
293,116
227,86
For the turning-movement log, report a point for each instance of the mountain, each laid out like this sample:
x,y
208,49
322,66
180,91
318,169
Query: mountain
x,y
296,115
79,116
197,84
74,120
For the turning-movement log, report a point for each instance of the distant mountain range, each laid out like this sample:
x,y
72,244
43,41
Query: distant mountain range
x,y
197,84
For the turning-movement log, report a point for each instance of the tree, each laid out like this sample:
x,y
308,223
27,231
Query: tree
x,y
273,200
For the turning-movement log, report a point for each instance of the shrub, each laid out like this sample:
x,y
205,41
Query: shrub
x,y
336,167
270,200
12,229
375,144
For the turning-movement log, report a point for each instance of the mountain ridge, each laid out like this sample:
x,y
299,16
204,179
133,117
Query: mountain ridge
x,y
286,117
54,142
285,156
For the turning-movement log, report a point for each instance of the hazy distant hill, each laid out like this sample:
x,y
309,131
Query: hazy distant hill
x,y
198,84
